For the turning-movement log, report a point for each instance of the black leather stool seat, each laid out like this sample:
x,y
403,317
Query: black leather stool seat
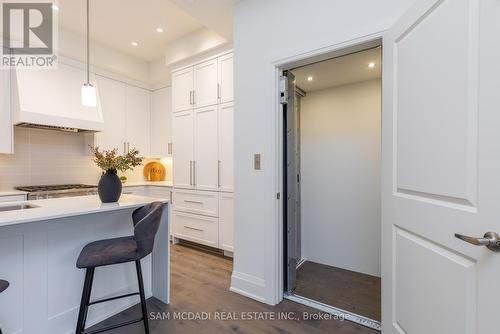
x,y
107,252
3,285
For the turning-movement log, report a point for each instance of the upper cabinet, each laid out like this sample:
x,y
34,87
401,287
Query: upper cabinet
x,y
6,141
225,87
161,123
138,119
226,147
182,89
205,84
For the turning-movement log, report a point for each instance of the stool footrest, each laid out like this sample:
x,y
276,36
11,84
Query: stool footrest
x,y
110,327
113,298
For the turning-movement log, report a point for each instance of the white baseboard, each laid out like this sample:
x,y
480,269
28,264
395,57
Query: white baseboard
x,y
248,286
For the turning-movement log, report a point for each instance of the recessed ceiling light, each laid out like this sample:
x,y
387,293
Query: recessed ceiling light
x,y
55,7
371,65
159,29
134,43
310,78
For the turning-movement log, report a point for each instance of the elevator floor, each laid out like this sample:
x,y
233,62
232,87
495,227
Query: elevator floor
x,y
348,290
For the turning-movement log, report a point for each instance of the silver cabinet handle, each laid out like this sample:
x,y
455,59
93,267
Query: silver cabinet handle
x,y
128,147
124,148
194,173
194,97
193,228
190,97
169,148
490,239
190,172
218,173
190,201
219,95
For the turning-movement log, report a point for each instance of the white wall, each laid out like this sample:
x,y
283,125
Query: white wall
x,y
340,169
266,32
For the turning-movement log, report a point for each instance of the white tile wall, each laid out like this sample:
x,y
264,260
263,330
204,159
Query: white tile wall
x,y
50,157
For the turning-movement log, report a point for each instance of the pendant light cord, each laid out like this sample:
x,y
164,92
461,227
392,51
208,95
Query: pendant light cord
x,y
88,43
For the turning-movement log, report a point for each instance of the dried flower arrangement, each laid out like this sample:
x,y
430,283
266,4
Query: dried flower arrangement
x,y
111,161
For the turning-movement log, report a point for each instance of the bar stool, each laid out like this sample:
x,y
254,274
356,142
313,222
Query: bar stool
x,y
3,286
107,252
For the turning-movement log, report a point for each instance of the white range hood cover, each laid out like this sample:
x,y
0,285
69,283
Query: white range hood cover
x,y
51,98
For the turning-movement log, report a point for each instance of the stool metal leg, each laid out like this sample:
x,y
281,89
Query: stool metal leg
x,y
143,296
84,303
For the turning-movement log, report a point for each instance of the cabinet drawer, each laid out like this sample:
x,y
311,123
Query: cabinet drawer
x,y
160,192
199,202
13,198
199,229
139,191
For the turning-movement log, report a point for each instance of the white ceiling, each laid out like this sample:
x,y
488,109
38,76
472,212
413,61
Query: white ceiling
x,y
340,71
116,23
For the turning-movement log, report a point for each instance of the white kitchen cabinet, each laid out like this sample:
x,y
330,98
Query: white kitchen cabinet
x,y
183,149
13,198
161,122
182,90
226,221
205,84
160,192
6,130
226,147
135,190
113,96
225,67
195,228
138,119
205,166
197,202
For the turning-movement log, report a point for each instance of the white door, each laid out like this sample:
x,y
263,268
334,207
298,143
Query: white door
x,y
139,120
205,84
182,157
206,149
225,78
113,99
161,122
441,168
182,89
226,147
226,221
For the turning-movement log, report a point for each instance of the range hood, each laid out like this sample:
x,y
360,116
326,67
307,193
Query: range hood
x,y
50,99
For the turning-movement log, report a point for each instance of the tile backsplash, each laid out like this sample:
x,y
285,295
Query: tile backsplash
x,y
51,157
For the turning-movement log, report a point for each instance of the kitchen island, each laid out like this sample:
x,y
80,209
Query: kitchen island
x,y
39,244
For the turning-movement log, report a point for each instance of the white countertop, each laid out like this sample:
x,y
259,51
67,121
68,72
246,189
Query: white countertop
x,y
12,192
68,206
167,184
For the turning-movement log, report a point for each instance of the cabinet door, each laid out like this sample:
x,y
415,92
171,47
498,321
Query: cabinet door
x,y
139,119
205,149
182,157
205,84
226,221
182,88
226,147
161,122
225,78
113,101
6,137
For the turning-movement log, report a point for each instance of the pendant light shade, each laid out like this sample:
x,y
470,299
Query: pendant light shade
x,y
89,96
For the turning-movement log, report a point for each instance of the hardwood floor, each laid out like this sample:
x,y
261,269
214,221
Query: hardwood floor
x,y
200,283
345,289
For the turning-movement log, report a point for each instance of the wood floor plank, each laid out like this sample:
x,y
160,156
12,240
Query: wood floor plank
x,y
200,282
349,290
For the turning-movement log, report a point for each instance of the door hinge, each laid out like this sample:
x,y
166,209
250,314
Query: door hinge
x,y
278,196
283,89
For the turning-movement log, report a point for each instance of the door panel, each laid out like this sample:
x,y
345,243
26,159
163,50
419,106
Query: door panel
x,y
182,157
205,84
226,147
440,168
113,99
182,87
161,122
226,78
206,149
226,221
139,119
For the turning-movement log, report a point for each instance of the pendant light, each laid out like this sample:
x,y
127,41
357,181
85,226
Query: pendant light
x,y
89,98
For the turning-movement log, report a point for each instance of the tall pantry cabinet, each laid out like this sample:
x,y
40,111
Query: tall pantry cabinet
x,y
202,136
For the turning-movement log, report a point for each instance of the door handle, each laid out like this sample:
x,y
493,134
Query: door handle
x,y
218,91
490,239
191,97
190,172
218,173
194,173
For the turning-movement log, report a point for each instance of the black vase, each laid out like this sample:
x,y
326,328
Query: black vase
x,y
110,187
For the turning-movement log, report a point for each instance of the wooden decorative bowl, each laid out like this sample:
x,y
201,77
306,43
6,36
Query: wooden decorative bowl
x,y
154,171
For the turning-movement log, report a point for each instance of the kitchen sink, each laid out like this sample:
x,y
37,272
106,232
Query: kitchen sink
x,y
14,207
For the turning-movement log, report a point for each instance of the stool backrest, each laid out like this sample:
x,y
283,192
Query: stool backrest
x,y
146,222
3,285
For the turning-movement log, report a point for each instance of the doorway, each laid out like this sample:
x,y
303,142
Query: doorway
x,y
331,184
